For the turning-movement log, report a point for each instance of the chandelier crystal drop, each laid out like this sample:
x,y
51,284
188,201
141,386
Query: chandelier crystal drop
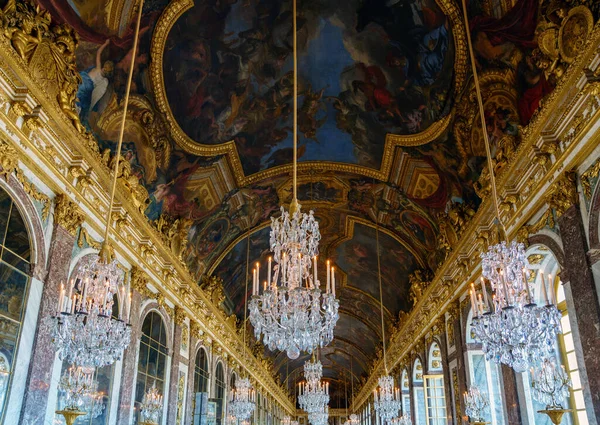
x,y
550,385
511,327
85,329
387,399
314,393
288,421
152,404
242,399
319,418
476,404
352,420
402,420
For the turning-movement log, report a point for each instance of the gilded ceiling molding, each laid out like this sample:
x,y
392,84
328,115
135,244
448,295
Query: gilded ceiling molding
x,y
161,32
563,193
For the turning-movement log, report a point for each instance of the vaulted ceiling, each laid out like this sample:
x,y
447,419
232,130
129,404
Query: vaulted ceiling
x,y
383,137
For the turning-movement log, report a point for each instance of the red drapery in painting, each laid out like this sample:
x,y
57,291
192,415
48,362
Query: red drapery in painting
x,y
63,13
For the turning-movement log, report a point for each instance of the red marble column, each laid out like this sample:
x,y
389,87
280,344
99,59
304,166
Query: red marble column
x,y
582,303
511,395
127,391
67,219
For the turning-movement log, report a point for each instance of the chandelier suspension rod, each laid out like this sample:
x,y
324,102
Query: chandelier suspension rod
x,y
352,382
246,294
121,133
482,117
295,163
380,290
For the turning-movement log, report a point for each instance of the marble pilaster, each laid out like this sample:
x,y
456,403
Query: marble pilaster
x,y
174,379
43,353
127,395
511,395
582,304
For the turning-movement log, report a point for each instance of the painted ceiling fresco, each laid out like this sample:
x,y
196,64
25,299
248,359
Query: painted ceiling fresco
x,y
365,70
219,71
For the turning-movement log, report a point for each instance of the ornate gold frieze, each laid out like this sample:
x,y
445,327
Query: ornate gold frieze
x,y
67,214
587,176
213,287
9,160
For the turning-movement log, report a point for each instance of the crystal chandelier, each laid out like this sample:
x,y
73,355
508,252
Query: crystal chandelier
x,y
550,385
152,404
386,398
402,420
292,313
85,328
242,399
314,393
78,386
512,329
476,404
352,420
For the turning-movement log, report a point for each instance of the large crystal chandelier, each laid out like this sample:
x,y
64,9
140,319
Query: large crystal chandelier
x,y
512,328
314,393
242,399
386,398
292,313
85,329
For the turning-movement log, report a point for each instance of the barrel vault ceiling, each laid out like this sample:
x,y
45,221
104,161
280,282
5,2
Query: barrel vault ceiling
x,y
388,134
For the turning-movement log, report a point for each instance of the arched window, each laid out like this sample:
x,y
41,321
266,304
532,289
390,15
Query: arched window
x,y
220,391
201,379
15,258
419,394
152,363
435,398
485,375
405,388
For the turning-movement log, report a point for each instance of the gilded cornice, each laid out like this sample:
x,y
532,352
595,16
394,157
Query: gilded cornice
x,y
561,126
170,16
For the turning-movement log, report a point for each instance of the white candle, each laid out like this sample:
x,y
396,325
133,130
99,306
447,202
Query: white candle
x,y
480,304
315,271
472,302
544,292
485,295
129,307
333,281
529,297
61,298
73,304
71,289
552,293
328,287
269,272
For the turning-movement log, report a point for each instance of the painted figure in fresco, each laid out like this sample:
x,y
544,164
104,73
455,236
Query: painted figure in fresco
x,y
94,85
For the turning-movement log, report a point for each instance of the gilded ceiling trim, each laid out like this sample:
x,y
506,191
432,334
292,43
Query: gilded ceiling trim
x,y
163,27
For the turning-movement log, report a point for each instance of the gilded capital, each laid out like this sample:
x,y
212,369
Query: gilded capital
x,y
563,193
179,316
139,280
9,161
67,214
